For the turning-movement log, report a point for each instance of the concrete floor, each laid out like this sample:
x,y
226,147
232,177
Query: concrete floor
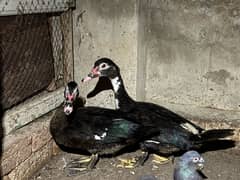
x,y
220,165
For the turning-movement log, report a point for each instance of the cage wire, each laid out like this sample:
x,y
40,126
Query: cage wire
x,y
57,46
59,29
38,6
67,31
32,15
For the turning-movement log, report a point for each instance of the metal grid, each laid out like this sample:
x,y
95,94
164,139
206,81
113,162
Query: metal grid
x,y
13,7
61,36
27,57
57,46
60,40
66,27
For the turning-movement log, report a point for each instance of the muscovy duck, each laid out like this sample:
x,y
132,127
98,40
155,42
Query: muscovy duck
x,y
176,134
93,131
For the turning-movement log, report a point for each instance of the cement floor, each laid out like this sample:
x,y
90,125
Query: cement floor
x,y
220,165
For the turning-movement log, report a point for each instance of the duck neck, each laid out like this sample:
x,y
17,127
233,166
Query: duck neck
x,y
122,100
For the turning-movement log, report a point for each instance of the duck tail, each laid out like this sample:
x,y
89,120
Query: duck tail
x,y
216,134
215,139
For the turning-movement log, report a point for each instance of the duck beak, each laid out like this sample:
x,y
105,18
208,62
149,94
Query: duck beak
x,y
93,74
68,109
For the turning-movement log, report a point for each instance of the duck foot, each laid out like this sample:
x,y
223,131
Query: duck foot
x,y
160,159
79,166
133,162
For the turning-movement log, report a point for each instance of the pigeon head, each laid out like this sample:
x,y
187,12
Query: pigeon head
x,y
192,159
103,67
189,167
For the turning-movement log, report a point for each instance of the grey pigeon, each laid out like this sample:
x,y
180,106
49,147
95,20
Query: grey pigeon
x,y
189,167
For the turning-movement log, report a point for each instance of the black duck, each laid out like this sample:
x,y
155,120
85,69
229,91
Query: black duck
x,y
176,134
93,131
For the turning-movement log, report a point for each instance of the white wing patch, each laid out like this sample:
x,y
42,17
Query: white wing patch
x,y
152,141
101,137
190,128
118,119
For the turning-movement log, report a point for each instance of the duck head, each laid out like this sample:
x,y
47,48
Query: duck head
x,y
103,67
71,93
107,71
109,78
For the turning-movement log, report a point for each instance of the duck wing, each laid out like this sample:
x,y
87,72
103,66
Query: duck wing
x,y
96,129
163,117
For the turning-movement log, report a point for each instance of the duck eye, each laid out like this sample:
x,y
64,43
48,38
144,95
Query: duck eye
x,y
103,65
195,159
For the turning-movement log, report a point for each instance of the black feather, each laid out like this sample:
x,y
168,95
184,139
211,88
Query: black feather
x,y
215,134
102,84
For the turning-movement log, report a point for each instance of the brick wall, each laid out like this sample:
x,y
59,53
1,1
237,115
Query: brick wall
x,y
27,149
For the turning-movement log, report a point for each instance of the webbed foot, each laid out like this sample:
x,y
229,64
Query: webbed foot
x,y
133,162
81,165
160,159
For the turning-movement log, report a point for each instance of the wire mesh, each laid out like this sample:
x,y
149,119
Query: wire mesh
x,y
27,58
66,27
31,6
57,46
10,7
33,51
